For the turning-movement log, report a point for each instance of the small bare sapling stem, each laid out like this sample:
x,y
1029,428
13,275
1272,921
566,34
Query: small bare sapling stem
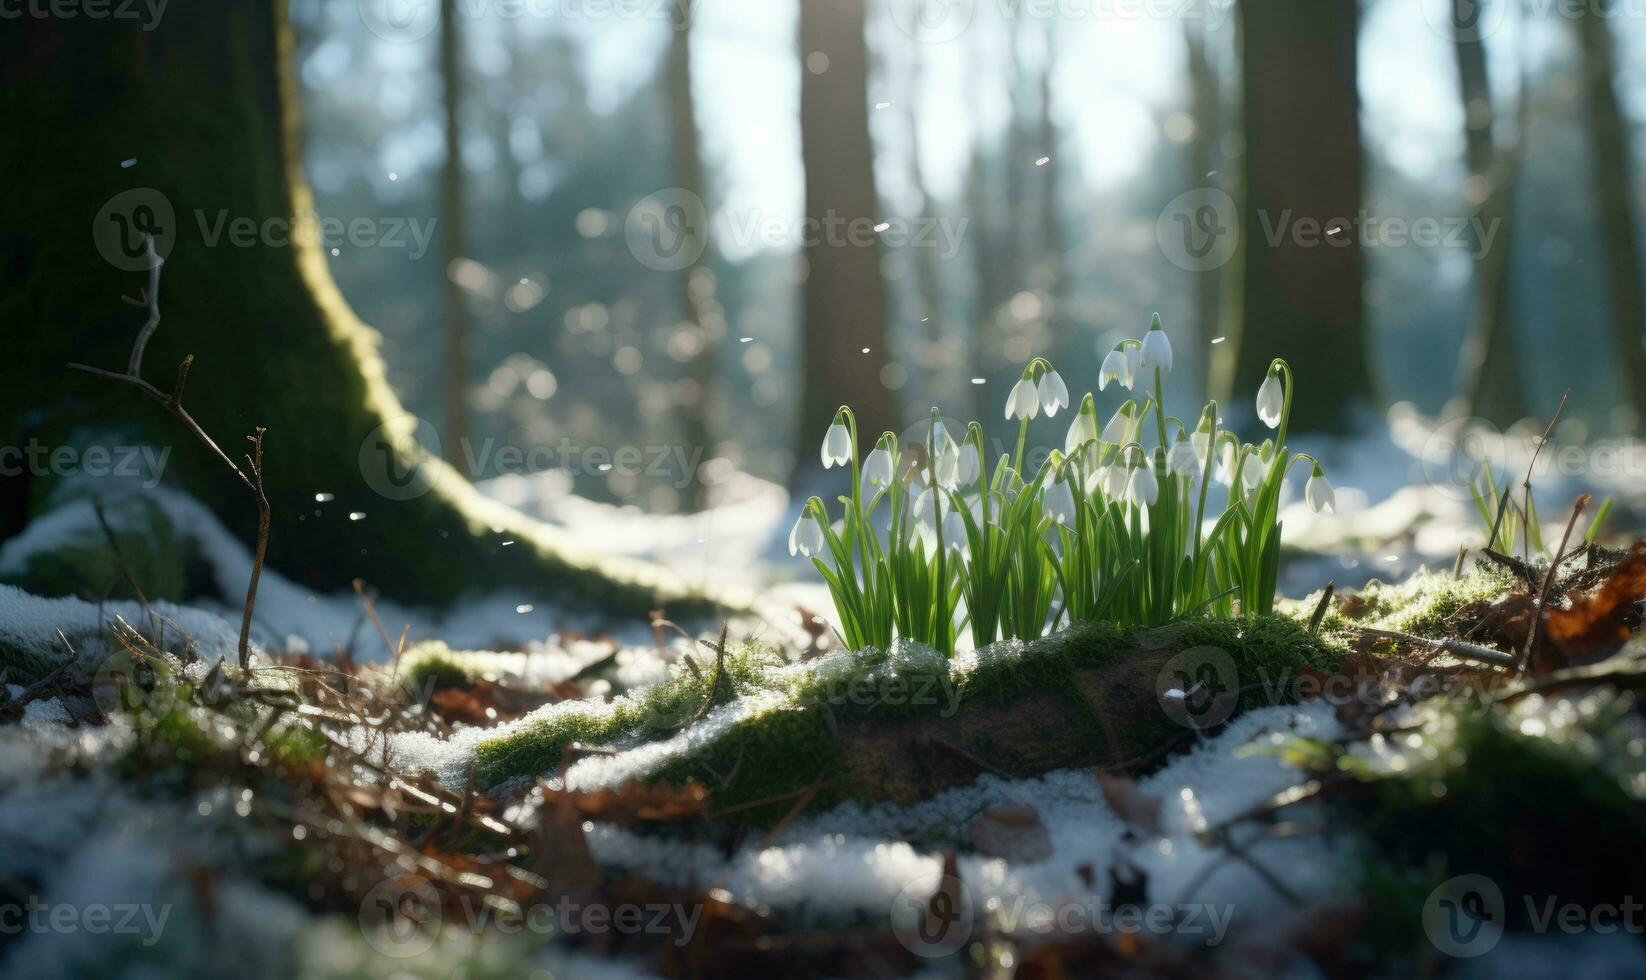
x,y
251,474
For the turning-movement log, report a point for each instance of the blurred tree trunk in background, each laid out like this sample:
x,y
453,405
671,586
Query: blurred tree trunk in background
x,y
1613,178
1302,276
845,297
696,280
935,359
204,109
988,272
1488,380
1204,106
1053,243
452,243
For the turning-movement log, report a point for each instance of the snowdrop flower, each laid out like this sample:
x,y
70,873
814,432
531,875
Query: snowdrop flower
x,y
1318,492
806,537
837,445
940,437
1201,442
1157,349
1053,393
927,505
1252,475
1059,502
1082,429
1271,400
1134,362
1183,460
954,533
968,468
1226,459
1123,426
1023,402
877,470
944,462
1141,489
1116,367
1114,480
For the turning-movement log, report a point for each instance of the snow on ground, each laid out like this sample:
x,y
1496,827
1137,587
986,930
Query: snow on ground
x,y
856,862
293,617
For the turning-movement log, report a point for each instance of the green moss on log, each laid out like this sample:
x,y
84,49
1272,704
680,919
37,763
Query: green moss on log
x,y
905,723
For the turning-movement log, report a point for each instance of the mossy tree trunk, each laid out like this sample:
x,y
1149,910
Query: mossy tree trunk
x,y
1303,173
205,104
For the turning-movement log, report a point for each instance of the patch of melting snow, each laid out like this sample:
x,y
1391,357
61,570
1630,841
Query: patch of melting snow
x,y
598,771
855,860
289,615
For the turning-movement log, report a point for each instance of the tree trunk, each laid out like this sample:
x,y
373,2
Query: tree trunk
x,y
844,346
1052,242
452,237
988,274
1620,237
206,105
1300,245
1489,382
1204,106
696,280
929,280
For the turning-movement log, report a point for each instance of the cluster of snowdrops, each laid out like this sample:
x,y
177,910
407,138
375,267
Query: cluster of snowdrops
x,y
932,542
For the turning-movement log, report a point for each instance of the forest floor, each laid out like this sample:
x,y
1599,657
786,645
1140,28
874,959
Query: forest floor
x,y
1442,776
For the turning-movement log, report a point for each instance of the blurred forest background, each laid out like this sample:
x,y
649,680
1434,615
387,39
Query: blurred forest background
x,y
1044,152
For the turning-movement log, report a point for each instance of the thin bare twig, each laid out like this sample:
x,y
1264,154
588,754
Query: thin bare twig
x,y
251,475
1456,647
1527,482
1548,583
1320,610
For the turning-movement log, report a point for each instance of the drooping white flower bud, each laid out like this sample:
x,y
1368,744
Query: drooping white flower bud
x,y
1024,401
1116,367
1053,393
1271,401
1142,489
1058,502
1157,349
806,537
1318,493
837,445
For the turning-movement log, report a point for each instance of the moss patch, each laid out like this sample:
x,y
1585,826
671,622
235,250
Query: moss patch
x,y
1423,605
1544,798
901,724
